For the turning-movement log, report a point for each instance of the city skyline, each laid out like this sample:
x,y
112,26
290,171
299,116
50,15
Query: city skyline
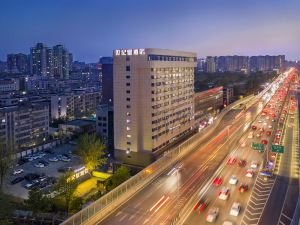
x,y
234,28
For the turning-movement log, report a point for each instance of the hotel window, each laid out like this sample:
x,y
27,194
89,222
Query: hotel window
x,y
127,68
127,77
127,84
128,114
128,91
128,99
128,106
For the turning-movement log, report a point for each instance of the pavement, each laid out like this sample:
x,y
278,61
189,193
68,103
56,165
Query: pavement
x,y
51,170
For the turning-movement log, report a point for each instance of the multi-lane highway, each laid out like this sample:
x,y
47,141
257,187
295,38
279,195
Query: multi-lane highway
x,y
160,202
264,128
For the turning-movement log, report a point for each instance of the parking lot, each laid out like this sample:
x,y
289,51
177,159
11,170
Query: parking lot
x,y
41,170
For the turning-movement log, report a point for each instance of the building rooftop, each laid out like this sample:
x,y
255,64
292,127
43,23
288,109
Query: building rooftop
x,y
80,122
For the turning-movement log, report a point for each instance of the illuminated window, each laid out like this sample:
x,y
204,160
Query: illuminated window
x,y
127,128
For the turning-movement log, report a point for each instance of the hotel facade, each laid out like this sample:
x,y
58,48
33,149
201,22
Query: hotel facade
x,y
153,101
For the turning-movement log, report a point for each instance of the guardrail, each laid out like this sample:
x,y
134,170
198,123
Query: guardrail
x,y
102,207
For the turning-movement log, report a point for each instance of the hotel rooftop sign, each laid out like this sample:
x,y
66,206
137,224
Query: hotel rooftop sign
x,y
123,52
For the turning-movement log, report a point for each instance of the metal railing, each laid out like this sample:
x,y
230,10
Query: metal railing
x,y
102,207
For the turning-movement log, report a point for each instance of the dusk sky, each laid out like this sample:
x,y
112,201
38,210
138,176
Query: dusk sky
x,y
93,28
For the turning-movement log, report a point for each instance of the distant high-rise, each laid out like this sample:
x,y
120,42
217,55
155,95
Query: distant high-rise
x,y
107,80
41,60
61,62
153,101
17,63
211,64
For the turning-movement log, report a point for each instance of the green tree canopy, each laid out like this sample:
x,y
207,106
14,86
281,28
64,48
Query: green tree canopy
x,y
37,202
6,161
91,149
66,187
121,175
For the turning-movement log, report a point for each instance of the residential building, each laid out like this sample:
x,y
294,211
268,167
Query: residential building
x,y
153,101
207,104
228,95
61,62
77,127
107,79
9,85
41,60
24,125
105,125
17,63
211,66
75,104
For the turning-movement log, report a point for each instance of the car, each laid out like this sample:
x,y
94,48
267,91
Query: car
x,y
261,130
201,204
258,135
44,162
268,133
233,180
242,163
254,165
264,142
250,135
65,159
212,214
31,176
17,180
243,188
259,121
224,193
17,171
53,159
22,161
217,181
243,144
265,123
250,173
39,165
227,223
235,209
267,117
254,127
32,184
273,120
231,161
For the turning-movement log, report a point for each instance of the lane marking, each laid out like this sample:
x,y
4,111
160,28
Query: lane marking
x,y
162,203
157,203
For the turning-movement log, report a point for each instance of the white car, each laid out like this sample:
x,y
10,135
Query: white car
x,y
258,135
212,215
53,159
254,165
18,171
265,123
39,165
235,209
260,121
224,193
250,173
250,135
227,223
243,144
233,180
270,126
65,159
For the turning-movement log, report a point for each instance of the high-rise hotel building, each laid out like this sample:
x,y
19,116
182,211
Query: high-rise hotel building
x,y
153,101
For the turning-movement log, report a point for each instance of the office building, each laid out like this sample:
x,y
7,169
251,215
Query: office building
x,y
17,63
107,80
75,104
153,101
61,62
41,60
24,125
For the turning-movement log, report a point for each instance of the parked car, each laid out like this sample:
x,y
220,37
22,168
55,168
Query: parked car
x,y
17,171
31,176
17,180
53,159
39,165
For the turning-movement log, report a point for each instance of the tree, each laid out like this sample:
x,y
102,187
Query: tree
x,y
66,187
121,175
91,149
6,161
37,202
7,208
